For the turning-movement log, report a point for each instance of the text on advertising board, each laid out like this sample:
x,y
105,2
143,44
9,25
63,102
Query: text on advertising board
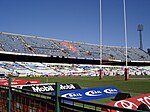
x,y
90,93
48,87
132,103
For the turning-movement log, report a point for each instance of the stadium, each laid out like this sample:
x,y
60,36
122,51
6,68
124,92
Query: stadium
x,y
47,60
52,53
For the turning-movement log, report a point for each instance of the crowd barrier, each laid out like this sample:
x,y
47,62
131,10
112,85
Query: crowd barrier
x,y
18,100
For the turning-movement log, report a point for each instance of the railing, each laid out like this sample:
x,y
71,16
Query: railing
x,y
17,100
25,101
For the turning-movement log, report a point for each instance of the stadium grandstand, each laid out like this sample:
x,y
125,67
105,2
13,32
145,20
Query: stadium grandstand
x,y
65,50
31,56
17,43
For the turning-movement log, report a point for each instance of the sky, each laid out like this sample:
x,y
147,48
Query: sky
x,y
78,20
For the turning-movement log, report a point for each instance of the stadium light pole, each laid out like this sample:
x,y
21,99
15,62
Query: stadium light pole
x,y
140,29
125,31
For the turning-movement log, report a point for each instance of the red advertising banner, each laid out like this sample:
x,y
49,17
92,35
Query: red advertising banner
x,y
18,82
131,103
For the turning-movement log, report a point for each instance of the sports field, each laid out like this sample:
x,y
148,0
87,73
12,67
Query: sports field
x,y
136,85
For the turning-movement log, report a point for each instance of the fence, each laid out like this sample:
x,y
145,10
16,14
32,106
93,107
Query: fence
x,y
17,100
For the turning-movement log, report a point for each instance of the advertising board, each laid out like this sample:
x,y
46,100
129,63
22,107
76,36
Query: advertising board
x,y
132,103
48,87
18,82
90,93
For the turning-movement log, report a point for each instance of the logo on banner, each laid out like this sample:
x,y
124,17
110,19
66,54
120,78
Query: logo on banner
x,y
72,95
93,93
133,102
90,93
145,99
111,91
67,86
125,104
48,87
42,89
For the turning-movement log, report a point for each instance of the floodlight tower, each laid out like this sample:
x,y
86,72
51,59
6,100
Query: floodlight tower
x,y
140,29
